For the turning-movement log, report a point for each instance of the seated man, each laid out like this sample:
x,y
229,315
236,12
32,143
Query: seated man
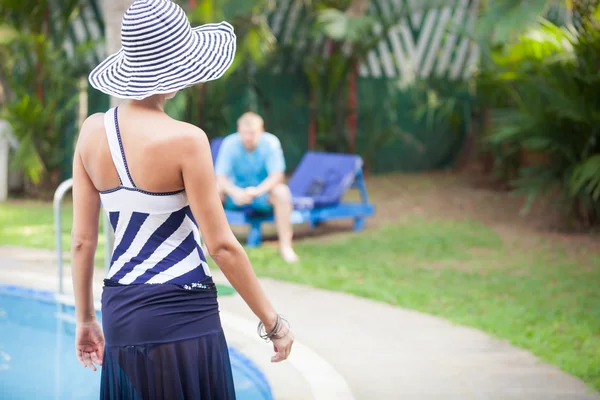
x,y
250,171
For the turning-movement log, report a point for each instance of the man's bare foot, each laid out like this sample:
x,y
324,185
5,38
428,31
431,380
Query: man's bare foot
x,y
288,255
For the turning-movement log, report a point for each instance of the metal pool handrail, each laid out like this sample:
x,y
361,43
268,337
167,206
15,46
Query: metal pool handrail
x,y
59,194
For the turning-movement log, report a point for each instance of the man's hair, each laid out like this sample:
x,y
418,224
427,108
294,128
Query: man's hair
x,y
251,118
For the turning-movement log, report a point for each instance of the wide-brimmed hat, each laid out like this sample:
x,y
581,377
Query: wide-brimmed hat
x,y
162,53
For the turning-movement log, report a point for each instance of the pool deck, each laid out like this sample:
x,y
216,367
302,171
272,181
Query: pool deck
x,y
351,348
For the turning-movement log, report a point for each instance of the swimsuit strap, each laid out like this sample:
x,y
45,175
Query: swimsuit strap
x,y
111,125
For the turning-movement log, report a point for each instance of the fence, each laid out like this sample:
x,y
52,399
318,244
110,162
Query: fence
x,y
424,47
421,47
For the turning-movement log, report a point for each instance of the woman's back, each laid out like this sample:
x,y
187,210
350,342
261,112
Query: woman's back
x,y
129,155
161,335
150,144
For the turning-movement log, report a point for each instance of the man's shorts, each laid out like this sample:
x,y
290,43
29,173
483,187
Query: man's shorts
x,y
259,204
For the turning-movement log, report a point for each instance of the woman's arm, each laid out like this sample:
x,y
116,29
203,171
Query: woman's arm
x,y
223,247
84,237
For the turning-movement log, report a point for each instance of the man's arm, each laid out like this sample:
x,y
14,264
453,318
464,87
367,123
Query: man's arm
x,y
270,182
275,168
223,170
226,186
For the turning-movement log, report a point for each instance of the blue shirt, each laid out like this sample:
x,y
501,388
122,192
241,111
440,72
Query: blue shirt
x,y
246,168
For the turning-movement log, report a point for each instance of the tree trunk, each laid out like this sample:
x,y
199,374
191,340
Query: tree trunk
x,y
357,8
113,14
39,66
467,155
488,157
312,125
352,117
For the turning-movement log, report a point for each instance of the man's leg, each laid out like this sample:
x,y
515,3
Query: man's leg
x,y
281,199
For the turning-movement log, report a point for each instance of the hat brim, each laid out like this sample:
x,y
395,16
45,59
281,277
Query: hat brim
x,y
210,53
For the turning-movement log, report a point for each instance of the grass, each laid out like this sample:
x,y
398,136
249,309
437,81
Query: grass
x,y
536,294
538,297
31,224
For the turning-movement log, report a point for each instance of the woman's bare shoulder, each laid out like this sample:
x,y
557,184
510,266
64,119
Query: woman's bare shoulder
x,y
93,123
188,138
91,128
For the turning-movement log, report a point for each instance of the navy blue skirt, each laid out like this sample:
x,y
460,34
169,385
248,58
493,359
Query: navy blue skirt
x,y
163,342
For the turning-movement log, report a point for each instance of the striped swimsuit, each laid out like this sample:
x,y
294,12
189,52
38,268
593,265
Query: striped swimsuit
x,y
156,237
160,314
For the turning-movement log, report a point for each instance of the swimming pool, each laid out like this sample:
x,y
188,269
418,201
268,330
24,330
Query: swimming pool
x,y
37,359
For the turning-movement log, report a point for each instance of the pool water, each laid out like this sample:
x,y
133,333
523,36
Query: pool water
x,y
37,356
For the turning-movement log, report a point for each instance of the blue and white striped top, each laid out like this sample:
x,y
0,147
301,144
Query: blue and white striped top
x,y
156,237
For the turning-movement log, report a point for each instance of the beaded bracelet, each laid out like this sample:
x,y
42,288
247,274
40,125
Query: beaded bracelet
x,y
267,336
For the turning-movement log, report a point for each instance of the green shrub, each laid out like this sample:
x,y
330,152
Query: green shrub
x,y
543,89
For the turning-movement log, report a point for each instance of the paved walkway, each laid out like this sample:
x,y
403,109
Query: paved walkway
x,y
351,348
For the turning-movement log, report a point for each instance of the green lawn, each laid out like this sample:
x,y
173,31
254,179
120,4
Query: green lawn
x,y
28,223
537,294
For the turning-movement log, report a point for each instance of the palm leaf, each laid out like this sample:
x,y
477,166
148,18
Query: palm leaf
x,y
586,178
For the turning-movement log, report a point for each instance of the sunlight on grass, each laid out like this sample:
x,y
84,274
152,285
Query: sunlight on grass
x,y
537,295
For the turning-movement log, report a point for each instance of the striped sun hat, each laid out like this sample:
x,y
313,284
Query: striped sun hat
x,y
161,53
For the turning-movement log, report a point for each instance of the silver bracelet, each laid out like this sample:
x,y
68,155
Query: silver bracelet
x,y
268,336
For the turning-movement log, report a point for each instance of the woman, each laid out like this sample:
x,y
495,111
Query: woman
x,y
154,178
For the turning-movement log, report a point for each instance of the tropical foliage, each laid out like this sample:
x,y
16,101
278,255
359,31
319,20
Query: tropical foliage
x,y
41,82
347,34
208,105
331,70
542,88
537,78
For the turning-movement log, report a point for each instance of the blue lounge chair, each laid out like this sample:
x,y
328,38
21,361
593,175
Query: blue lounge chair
x,y
317,185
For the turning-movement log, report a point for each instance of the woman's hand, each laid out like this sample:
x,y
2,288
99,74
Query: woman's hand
x,y
89,344
282,343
